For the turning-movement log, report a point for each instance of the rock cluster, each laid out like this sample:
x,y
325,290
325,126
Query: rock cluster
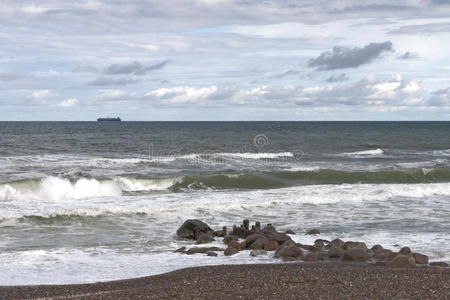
x,y
261,241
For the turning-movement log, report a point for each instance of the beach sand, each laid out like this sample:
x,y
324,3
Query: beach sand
x,y
268,281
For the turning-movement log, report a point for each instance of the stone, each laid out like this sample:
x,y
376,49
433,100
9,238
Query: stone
x,y
269,229
218,233
336,243
211,253
280,238
376,248
307,247
312,256
282,246
258,252
355,245
405,250
355,254
190,227
420,259
202,250
236,245
229,238
181,250
439,264
258,244
403,261
252,238
335,252
288,258
289,232
204,238
322,240
270,245
313,232
290,251
230,251
384,254
319,244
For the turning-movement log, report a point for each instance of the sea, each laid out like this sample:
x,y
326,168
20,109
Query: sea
x,y
95,201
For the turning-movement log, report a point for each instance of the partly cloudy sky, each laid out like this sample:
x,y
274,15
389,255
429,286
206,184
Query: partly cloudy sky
x,y
225,60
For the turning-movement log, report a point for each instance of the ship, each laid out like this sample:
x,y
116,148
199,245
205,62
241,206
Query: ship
x,y
108,119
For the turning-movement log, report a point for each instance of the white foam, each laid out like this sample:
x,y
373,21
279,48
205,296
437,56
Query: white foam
x,y
365,153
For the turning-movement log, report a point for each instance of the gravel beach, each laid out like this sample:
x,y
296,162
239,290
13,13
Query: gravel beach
x,y
270,281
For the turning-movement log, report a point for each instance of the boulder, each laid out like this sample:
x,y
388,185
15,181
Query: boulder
x,y
288,249
335,252
420,259
322,240
312,256
229,238
218,233
270,245
202,250
355,245
258,252
439,264
319,244
289,232
336,243
181,250
403,261
355,254
204,238
230,251
405,250
211,253
269,229
252,238
376,248
237,245
258,244
307,247
192,227
384,254
280,238
313,232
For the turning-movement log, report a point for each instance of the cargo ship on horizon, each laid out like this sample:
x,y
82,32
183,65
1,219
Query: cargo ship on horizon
x,y
108,119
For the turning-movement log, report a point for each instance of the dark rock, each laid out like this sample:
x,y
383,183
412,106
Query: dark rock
x,y
210,253
336,243
313,231
313,256
289,232
270,245
252,238
202,250
335,252
269,229
280,238
181,250
258,252
355,245
230,251
289,250
405,250
384,254
289,258
403,261
229,238
191,227
306,247
204,238
322,240
237,245
420,259
319,244
258,244
355,254
376,248
439,264
218,233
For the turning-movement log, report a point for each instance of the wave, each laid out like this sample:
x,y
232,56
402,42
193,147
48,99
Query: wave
x,y
365,153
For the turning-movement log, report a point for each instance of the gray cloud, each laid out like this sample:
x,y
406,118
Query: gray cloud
x,y
337,78
134,67
344,57
440,97
287,73
105,81
408,55
10,76
430,28
85,69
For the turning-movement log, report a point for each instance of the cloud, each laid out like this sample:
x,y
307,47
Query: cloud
x,y
431,28
134,67
68,103
440,98
85,69
344,57
10,76
183,94
408,55
337,78
105,81
287,73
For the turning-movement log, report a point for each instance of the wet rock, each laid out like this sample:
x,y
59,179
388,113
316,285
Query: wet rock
x,y
288,258
258,244
270,245
280,238
384,254
204,238
192,227
319,244
312,256
289,232
355,245
258,252
202,250
289,249
229,238
420,259
439,264
405,250
218,233
355,254
335,252
306,247
269,229
252,238
211,253
403,261
237,245
313,232
181,250
336,243
376,248
230,251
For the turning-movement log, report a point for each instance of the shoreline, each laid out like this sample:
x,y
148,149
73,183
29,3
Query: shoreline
x,y
279,280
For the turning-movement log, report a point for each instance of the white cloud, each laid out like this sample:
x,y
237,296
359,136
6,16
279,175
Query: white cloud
x,y
68,103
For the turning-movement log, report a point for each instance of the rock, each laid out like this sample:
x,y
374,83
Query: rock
x,y
319,244
403,261
258,252
270,245
439,264
218,233
355,254
229,238
289,232
384,254
191,227
289,250
269,229
420,259
355,245
322,240
252,238
230,251
258,244
336,243
280,238
335,252
181,250
405,250
237,245
377,248
210,253
204,238
282,246
312,256
313,232
202,250
306,247
288,258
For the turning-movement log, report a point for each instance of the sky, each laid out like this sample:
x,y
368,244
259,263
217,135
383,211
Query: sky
x,y
224,60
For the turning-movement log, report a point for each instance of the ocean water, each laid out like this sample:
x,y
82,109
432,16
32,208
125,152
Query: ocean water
x,y
88,201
